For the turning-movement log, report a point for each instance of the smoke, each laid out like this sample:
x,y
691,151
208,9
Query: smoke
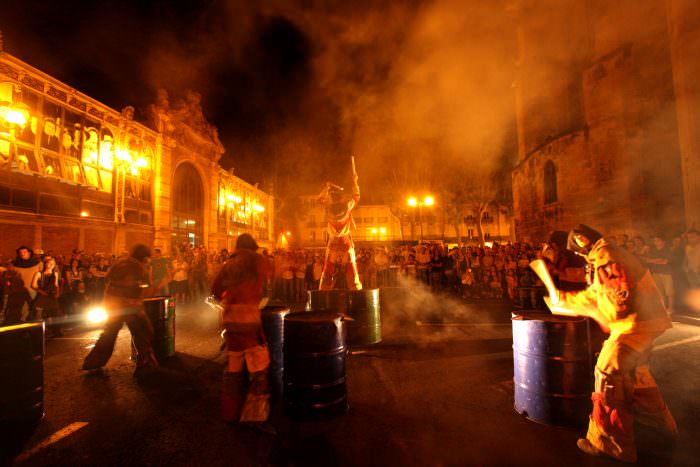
x,y
442,317
307,84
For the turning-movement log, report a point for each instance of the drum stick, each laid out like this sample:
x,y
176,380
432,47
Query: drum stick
x,y
542,272
352,158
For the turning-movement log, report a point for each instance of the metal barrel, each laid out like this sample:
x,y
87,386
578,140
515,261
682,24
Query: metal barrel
x,y
553,368
335,300
161,312
314,364
22,370
366,325
273,327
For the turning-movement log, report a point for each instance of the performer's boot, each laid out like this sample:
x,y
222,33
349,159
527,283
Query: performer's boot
x,y
232,396
257,402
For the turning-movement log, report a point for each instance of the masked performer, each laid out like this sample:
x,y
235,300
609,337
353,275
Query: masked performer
x,y
340,267
239,286
623,298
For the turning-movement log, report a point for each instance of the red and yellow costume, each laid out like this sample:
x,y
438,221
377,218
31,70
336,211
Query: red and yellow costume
x,y
239,286
340,251
624,299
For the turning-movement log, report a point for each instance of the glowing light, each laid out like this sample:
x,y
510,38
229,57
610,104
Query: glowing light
x,y
428,201
374,231
97,315
16,117
141,163
412,202
288,233
222,200
84,214
382,230
258,208
123,155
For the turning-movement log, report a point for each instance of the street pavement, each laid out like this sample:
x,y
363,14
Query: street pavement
x,y
432,393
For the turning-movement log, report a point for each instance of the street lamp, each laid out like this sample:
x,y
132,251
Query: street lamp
x,y
426,201
15,116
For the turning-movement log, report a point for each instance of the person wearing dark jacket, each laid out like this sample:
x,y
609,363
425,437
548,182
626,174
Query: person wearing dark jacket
x,y
127,281
26,265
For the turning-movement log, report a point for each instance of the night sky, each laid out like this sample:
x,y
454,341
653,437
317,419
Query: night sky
x,y
294,87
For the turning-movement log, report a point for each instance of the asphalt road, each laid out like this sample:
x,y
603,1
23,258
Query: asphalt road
x,y
429,395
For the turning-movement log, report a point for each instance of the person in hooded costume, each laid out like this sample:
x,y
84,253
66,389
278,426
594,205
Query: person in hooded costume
x,y
239,287
623,298
340,266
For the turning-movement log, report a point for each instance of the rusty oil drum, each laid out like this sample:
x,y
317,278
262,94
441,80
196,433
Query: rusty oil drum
x,y
335,300
315,351
553,368
364,308
22,370
273,327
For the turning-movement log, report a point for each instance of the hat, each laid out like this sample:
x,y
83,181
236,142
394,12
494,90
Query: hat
x,y
247,242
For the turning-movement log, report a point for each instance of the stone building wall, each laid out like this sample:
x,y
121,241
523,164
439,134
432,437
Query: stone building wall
x,y
618,169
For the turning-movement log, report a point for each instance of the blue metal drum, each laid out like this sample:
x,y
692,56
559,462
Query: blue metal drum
x,y
553,368
273,327
314,364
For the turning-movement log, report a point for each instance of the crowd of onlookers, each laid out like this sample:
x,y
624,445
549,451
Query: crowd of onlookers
x,y
40,284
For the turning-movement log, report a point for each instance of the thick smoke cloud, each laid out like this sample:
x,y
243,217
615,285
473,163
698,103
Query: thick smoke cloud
x,y
296,87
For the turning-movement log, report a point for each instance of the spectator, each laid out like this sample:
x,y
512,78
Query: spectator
x,y
73,277
26,265
198,274
692,258
657,259
16,294
179,288
97,273
45,284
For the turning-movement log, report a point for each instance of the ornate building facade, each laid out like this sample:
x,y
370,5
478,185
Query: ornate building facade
x,y
75,173
606,116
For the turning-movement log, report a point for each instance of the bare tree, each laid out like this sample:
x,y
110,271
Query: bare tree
x,y
480,192
468,188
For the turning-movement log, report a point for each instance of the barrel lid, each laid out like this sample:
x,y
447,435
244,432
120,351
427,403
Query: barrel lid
x,y
313,316
155,299
15,327
547,317
276,309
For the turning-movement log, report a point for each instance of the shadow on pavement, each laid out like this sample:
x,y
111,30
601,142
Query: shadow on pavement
x,y
14,438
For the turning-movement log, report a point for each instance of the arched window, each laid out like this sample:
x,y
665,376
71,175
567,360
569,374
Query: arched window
x,y
550,183
188,205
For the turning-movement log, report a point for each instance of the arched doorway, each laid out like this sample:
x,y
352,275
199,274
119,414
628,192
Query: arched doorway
x,y
187,206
